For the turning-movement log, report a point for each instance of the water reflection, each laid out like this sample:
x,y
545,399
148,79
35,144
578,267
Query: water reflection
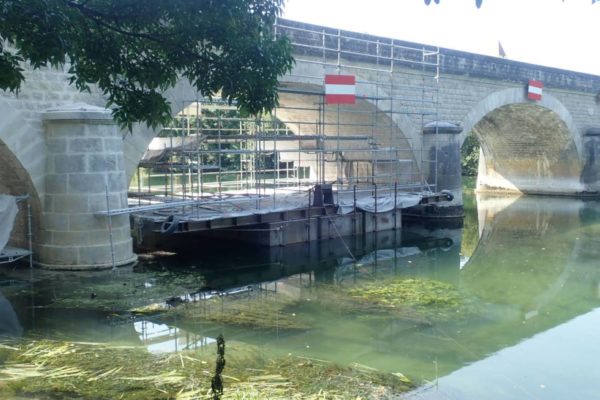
x,y
557,364
530,265
161,338
9,324
535,264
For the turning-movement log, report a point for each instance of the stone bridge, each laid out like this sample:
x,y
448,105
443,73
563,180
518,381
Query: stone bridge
x,y
62,148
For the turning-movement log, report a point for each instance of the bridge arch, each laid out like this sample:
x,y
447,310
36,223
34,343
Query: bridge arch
x,y
527,147
313,74
22,161
300,91
136,143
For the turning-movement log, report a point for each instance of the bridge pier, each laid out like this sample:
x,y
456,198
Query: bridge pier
x,y
441,150
590,176
84,161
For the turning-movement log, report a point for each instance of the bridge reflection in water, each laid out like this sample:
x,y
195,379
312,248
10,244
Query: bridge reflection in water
x,y
532,270
536,264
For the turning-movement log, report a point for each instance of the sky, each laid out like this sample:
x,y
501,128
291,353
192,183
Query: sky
x,y
557,33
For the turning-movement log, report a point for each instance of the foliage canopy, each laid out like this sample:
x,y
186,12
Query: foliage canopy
x,y
470,155
134,50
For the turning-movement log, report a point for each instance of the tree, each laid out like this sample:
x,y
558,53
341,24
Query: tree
x,y
134,50
477,2
470,155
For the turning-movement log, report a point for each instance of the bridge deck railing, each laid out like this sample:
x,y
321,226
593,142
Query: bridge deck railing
x,y
335,47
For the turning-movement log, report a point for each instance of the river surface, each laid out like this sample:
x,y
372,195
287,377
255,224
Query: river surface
x,y
530,265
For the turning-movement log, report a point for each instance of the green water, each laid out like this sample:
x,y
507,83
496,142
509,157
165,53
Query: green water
x,y
526,271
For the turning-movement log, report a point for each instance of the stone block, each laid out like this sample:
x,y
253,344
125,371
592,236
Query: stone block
x,y
87,222
63,129
68,238
49,203
100,254
56,145
56,184
113,145
120,232
88,183
55,222
68,163
116,182
98,203
42,236
102,163
121,162
70,203
51,256
86,145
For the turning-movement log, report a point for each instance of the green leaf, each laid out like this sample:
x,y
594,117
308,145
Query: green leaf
x,y
134,51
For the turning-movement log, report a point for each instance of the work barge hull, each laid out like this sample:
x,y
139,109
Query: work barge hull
x,y
178,228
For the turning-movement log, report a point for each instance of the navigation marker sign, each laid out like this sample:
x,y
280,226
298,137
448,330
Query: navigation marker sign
x,y
340,89
534,90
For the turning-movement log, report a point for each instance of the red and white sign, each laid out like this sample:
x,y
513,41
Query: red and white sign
x,y
340,89
534,90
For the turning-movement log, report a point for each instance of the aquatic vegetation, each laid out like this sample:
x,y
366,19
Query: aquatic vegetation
x,y
255,310
412,292
57,370
422,301
126,292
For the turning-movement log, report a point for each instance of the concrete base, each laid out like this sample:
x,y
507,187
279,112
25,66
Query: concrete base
x,y
88,267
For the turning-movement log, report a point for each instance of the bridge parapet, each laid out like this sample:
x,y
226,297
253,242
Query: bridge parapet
x,y
336,46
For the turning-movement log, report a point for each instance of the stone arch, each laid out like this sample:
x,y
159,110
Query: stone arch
x,y
527,147
519,96
313,74
22,165
136,143
300,110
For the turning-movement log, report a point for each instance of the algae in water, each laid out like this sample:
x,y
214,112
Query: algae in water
x,y
255,310
419,300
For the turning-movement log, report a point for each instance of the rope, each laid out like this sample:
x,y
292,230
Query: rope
x,y
341,238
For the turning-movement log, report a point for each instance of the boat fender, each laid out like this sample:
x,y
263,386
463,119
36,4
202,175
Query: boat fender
x,y
449,195
169,225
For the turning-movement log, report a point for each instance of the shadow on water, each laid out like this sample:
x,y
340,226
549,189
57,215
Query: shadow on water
x,y
525,265
224,267
9,323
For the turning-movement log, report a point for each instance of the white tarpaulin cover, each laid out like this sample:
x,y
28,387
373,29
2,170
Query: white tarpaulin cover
x,y
384,204
8,212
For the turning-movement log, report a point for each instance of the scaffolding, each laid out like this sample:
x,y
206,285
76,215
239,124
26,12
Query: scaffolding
x,y
212,152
